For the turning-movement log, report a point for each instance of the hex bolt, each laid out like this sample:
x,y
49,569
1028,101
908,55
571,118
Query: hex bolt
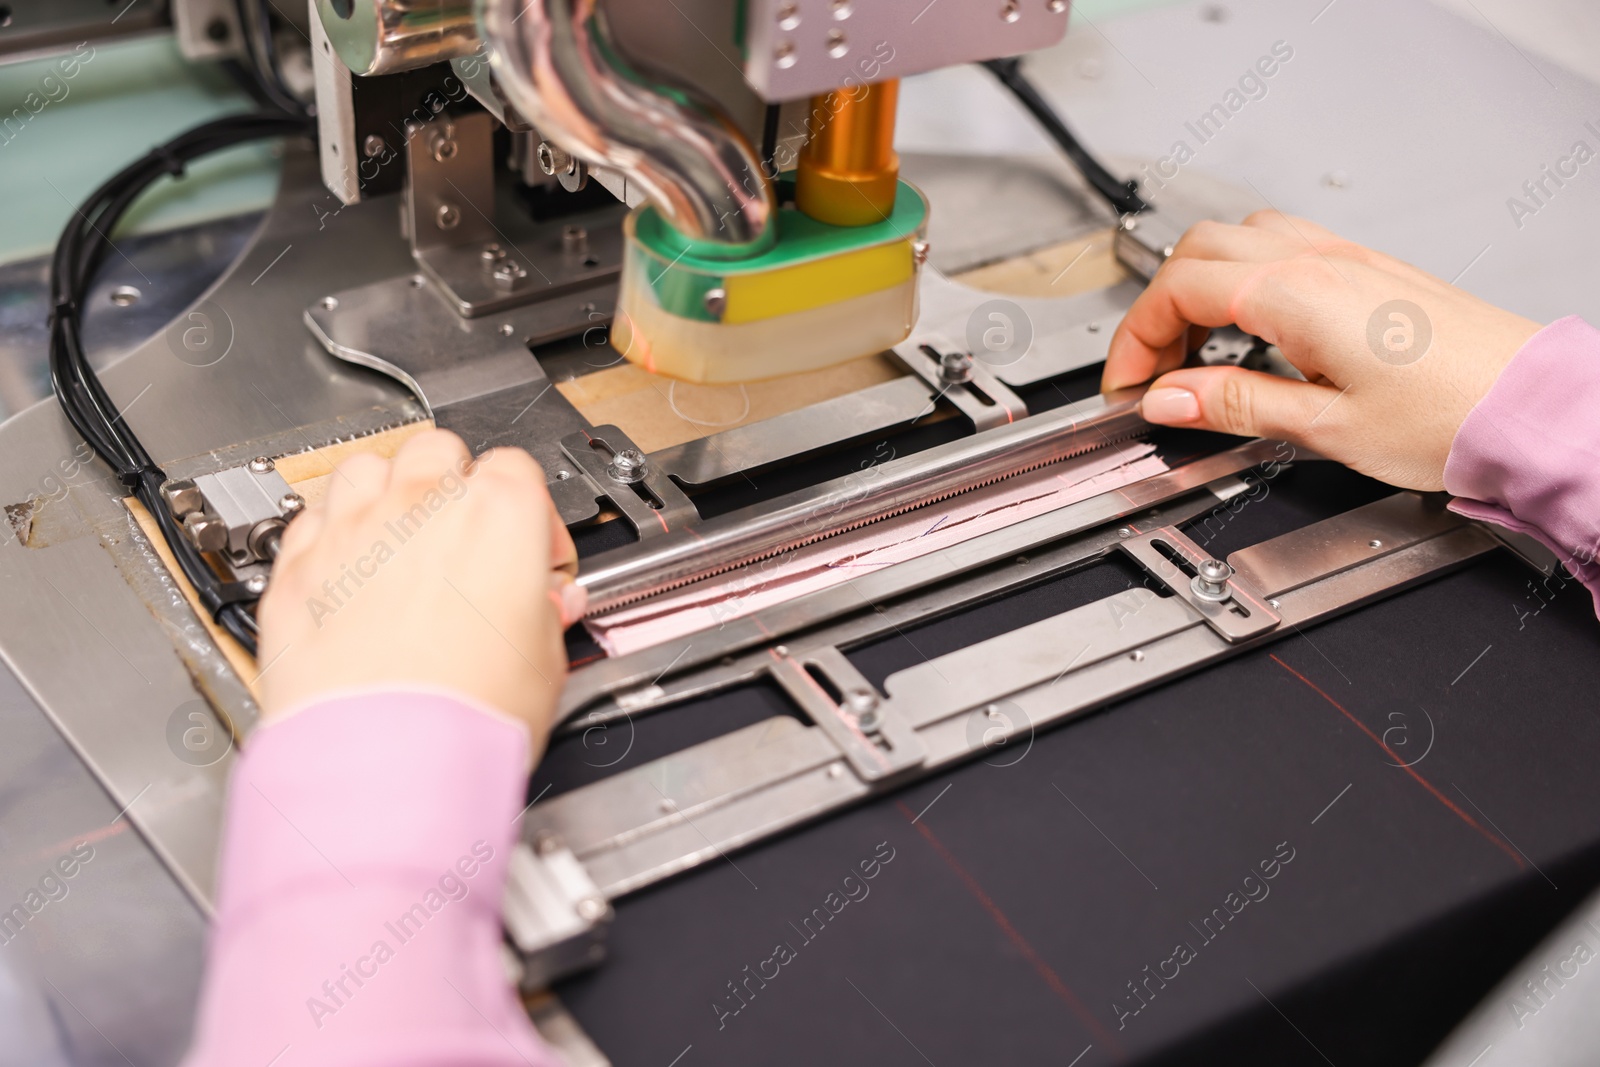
x,y
574,240
591,909
260,465
447,217
628,466
491,256
955,367
206,533
182,497
1211,583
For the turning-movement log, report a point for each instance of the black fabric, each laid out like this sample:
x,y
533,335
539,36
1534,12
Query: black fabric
x,y
1016,911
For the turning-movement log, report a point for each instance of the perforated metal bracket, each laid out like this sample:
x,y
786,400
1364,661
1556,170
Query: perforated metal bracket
x,y
877,741
964,381
621,472
1229,605
480,261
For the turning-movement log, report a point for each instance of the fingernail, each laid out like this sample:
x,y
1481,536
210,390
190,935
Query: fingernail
x,y
574,602
1168,406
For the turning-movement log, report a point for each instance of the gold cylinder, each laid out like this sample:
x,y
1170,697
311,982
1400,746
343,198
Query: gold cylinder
x,y
848,171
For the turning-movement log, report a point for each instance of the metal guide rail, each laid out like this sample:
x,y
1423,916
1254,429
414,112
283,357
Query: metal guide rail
x,y
599,842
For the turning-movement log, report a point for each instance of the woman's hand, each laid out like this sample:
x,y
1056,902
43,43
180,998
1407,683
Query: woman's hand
x,y
1394,358
429,570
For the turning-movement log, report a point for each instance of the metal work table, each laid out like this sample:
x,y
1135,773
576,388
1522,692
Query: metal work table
x,y
1029,894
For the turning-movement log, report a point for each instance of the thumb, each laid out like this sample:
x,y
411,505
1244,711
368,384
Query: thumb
x,y
1235,401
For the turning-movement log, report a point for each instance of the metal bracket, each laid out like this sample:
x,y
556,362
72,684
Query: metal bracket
x,y
483,262
474,376
879,743
962,380
554,913
620,472
1229,605
1143,242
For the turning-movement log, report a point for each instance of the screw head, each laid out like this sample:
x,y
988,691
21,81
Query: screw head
x,y
444,148
554,161
256,583
919,251
207,534
955,367
261,465
447,217
716,301
574,239
291,503
1211,580
182,497
491,254
374,145
508,274
860,701
628,466
591,909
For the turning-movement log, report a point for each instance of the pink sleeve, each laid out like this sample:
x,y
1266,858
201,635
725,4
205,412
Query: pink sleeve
x,y
1528,455
358,910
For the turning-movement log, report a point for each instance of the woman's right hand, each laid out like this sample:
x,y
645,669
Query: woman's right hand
x,y
432,570
1394,358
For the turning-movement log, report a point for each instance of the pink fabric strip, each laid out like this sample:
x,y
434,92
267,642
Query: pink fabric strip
x,y
839,559
1528,455
358,912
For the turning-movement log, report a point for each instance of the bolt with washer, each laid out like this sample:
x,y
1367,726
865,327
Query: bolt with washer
x,y
863,704
628,466
1211,583
955,367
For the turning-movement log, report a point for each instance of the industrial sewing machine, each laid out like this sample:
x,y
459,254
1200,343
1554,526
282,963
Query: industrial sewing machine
x,y
707,198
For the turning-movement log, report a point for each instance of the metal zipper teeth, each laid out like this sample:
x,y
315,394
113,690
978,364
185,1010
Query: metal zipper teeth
x,y
607,602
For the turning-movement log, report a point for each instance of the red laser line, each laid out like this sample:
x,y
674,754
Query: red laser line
x,y
1492,837
1020,943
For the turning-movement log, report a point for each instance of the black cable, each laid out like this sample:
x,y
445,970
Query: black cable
x,y
1121,195
83,245
261,52
769,139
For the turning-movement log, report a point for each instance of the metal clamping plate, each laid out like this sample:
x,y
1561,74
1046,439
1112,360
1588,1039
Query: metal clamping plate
x,y
875,738
648,499
1169,555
